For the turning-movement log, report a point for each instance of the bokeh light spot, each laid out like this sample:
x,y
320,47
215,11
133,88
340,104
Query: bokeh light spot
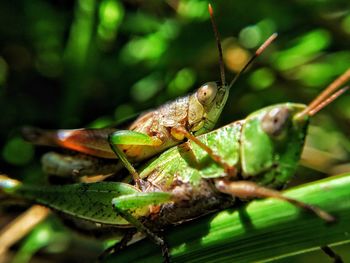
x,y
101,122
144,48
182,82
262,78
169,29
315,75
267,27
146,88
235,57
306,48
250,36
111,14
18,152
194,9
123,111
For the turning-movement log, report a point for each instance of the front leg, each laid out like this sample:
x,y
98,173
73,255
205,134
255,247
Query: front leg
x,y
180,133
126,137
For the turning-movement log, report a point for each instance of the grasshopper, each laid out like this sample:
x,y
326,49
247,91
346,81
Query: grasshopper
x,y
151,133
184,183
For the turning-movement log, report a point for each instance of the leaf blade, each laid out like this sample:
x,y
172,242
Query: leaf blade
x,y
264,230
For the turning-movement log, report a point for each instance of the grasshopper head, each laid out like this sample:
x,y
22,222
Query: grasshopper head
x,y
271,143
205,107
273,137
207,102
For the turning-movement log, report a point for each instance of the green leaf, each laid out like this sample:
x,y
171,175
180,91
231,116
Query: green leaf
x,y
261,231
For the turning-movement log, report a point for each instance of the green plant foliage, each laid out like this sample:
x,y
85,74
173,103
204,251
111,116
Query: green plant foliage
x,y
262,231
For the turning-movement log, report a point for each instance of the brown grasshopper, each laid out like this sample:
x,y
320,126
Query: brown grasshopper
x,y
156,130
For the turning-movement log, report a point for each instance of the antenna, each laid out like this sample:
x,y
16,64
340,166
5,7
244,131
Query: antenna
x,y
257,53
218,43
327,101
221,62
342,79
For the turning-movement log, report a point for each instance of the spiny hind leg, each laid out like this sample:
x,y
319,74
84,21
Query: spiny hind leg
x,y
247,189
125,205
154,237
336,258
180,132
126,137
78,165
119,245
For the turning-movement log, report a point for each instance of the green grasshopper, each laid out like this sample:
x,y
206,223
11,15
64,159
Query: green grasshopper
x,y
184,183
150,134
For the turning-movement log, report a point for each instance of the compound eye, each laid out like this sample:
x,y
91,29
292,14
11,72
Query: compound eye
x,y
274,121
207,92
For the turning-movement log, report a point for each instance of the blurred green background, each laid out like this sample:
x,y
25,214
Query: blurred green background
x,y
69,64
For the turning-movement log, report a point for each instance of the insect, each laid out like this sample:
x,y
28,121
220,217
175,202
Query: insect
x,y
184,182
149,134
199,111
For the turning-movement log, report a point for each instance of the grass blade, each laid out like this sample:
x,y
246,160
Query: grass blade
x,y
261,231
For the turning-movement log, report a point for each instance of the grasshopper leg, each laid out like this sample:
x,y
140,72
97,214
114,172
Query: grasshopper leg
x,y
230,170
78,165
247,189
124,204
126,137
120,245
336,258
